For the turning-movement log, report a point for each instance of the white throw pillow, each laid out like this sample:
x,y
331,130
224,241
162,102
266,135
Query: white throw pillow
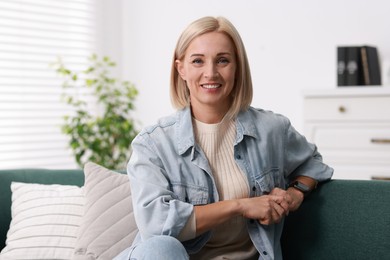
x,y
45,221
108,226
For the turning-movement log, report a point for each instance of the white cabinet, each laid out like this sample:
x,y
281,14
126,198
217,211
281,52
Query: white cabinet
x,y
351,128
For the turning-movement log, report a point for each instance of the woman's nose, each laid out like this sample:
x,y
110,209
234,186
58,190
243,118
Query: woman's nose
x,y
211,71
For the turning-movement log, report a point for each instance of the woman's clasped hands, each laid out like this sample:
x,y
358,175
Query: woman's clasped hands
x,y
273,207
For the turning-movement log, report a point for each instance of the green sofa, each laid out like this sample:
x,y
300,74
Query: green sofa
x,y
342,219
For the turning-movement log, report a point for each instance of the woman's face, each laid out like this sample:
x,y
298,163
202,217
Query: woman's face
x,y
209,68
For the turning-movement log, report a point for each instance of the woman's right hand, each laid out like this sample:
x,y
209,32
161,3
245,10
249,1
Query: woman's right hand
x,y
267,209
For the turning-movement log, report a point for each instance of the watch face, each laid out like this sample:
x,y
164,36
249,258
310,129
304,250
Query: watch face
x,y
302,187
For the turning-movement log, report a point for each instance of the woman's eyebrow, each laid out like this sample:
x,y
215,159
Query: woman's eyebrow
x,y
219,54
196,54
223,53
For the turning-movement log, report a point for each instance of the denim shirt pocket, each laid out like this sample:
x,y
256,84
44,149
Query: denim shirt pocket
x,y
195,195
268,180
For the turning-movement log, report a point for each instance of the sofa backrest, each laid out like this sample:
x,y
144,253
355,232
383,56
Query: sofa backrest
x,y
342,219
66,177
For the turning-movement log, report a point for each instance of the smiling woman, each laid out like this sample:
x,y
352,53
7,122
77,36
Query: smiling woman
x,y
242,78
209,68
217,172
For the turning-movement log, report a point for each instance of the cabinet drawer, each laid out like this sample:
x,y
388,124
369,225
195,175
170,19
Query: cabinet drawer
x,y
359,171
347,109
352,143
350,136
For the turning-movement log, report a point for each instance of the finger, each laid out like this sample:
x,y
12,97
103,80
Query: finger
x,y
286,207
276,198
270,214
265,221
277,212
283,201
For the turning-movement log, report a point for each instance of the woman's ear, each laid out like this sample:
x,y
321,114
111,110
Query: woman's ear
x,y
180,68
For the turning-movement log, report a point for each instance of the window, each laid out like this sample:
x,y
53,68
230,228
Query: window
x,y
33,33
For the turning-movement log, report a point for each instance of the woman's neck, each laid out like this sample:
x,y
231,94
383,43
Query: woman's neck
x,y
208,115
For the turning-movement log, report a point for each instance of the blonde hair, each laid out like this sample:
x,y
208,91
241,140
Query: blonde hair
x,y
242,92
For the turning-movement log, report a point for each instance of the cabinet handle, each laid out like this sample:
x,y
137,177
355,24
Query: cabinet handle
x,y
380,141
342,109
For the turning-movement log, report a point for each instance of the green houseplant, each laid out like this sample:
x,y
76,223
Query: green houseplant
x,y
102,135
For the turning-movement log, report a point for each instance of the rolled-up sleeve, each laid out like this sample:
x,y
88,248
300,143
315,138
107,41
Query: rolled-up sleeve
x,y
302,157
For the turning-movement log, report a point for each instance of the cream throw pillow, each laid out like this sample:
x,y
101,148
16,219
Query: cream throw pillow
x,y
108,226
45,221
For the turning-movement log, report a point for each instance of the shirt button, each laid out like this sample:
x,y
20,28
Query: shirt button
x,y
254,188
238,157
265,253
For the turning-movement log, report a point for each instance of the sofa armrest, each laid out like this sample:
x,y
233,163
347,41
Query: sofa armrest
x,y
342,219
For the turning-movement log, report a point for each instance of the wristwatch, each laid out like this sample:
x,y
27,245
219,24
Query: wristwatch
x,y
301,187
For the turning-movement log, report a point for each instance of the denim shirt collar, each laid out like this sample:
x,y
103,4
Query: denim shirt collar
x,y
245,126
185,133
184,130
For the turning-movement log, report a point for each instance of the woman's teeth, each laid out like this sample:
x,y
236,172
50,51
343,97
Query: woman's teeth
x,y
211,86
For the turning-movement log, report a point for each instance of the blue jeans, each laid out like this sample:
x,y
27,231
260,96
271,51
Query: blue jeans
x,y
159,247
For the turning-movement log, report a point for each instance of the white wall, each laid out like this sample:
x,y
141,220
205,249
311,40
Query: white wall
x,y
291,45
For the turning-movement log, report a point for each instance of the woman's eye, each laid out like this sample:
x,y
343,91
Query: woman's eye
x,y
223,61
197,61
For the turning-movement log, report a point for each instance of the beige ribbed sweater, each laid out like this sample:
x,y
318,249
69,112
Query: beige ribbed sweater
x,y
229,240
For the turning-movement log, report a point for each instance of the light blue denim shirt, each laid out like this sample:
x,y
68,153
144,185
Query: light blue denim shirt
x,y
169,173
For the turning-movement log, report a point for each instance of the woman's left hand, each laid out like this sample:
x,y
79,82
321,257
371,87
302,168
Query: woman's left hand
x,y
292,197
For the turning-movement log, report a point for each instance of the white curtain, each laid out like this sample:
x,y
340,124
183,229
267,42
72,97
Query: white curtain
x,y
33,33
